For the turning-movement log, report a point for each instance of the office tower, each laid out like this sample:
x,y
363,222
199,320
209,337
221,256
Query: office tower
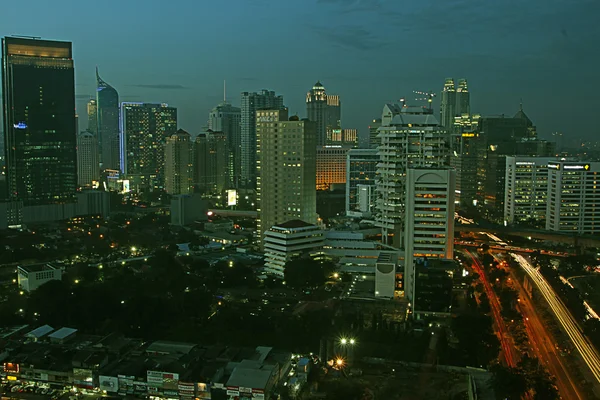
x,y
412,138
226,118
88,160
325,111
250,103
429,228
573,197
144,129
448,104
463,99
526,189
38,93
92,113
178,163
373,139
361,171
434,283
107,103
211,166
331,166
467,158
286,165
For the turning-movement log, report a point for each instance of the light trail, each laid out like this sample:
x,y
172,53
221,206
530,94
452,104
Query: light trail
x,y
562,314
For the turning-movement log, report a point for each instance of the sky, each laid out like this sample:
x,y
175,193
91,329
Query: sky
x,y
543,52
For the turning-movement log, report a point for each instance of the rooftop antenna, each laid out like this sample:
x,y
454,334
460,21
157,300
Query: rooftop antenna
x,y
224,92
521,104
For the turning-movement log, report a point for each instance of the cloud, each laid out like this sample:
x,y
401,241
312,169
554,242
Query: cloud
x,y
351,37
162,87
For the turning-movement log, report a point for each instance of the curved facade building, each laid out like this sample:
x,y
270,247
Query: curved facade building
x,y
107,102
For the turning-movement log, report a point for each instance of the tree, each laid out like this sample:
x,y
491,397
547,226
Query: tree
x,y
508,383
304,272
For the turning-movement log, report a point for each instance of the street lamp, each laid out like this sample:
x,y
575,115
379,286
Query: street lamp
x,y
344,341
339,362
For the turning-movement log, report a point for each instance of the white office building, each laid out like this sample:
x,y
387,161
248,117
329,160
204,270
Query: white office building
x,y
31,277
385,275
573,197
290,240
429,230
525,189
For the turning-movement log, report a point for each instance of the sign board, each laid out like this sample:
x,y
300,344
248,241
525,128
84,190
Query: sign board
x,y
109,383
231,197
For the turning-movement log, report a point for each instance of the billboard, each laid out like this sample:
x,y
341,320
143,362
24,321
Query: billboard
x,y
162,380
231,197
82,378
109,383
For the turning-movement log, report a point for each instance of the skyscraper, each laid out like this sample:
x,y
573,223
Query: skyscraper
x,y
448,104
92,113
331,165
325,111
38,93
211,166
107,103
227,119
361,171
88,163
178,163
286,184
250,103
468,157
373,139
144,129
411,138
463,99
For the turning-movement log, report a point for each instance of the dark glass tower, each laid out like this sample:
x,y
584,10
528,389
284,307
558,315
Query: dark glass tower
x,y
38,93
107,103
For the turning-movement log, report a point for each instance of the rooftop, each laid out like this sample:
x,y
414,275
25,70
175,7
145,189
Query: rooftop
x,y
295,223
62,333
249,374
39,332
166,347
37,267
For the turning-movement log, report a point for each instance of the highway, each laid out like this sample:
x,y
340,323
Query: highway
x,y
505,342
569,324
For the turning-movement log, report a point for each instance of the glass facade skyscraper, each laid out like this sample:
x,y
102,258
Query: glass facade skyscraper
x,y
107,114
38,91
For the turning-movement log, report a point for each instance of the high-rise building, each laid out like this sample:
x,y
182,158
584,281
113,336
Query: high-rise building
x,y
88,161
373,139
286,164
38,93
573,197
325,111
467,158
107,117
250,103
361,171
429,228
411,138
526,189
227,119
331,165
144,129
463,99
448,104
211,167
92,113
178,163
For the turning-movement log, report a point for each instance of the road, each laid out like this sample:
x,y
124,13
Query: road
x,y
543,344
569,324
507,347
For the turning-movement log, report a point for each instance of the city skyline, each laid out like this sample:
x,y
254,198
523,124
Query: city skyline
x,y
500,71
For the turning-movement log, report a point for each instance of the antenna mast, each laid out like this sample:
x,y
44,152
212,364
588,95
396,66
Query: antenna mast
x,y
224,92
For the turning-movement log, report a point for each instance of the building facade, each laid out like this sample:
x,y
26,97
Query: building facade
x,y
410,138
144,129
178,163
467,158
286,164
40,138
92,113
227,119
31,277
107,119
429,231
211,162
573,197
88,161
325,111
526,189
361,173
374,140
250,104
331,165
455,102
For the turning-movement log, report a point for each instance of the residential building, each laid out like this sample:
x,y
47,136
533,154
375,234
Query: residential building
x,y
144,129
361,171
331,165
211,162
573,197
227,119
178,163
526,189
374,140
410,137
107,130
325,111
40,140
429,229
31,277
286,165
289,240
88,162
250,104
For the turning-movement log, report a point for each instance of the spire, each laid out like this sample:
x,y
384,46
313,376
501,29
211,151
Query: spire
x,y
224,92
521,104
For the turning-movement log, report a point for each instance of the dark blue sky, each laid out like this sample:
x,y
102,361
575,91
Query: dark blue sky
x,y
367,51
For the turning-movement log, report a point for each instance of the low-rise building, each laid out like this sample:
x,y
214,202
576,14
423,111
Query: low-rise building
x,y
434,282
292,239
31,277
